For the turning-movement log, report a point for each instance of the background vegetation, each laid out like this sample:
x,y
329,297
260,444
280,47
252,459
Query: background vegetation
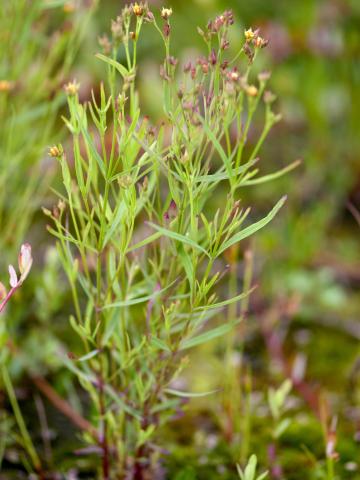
x,y
301,322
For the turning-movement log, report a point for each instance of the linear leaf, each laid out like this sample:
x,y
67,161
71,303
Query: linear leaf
x,y
179,393
220,150
226,302
178,237
144,242
135,301
272,176
251,229
207,336
120,68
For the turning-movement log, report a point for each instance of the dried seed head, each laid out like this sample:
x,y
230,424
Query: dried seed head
x,y
166,13
187,67
248,52
260,42
264,76
269,97
233,75
105,44
72,88
117,28
205,67
229,17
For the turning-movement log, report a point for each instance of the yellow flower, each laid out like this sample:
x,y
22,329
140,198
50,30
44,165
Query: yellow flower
x,y
249,35
72,88
138,9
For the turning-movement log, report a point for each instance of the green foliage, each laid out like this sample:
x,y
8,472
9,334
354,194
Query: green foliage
x,y
169,344
141,298
249,473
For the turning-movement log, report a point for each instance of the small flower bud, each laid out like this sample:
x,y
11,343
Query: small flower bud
x,y
213,57
171,212
172,61
224,45
264,76
205,67
248,52
149,17
61,205
187,67
269,97
55,151
252,91
105,44
13,277
25,260
125,181
117,28
166,30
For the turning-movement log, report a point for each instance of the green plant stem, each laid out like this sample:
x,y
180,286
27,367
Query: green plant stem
x,y
29,446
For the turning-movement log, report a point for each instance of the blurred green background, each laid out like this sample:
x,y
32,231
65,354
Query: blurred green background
x,y
305,313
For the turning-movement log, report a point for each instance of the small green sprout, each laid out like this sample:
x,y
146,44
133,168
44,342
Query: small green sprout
x,y
249,473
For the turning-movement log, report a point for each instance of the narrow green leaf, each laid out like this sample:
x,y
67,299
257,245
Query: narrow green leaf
x,y
251,229
135,301
207,336
178,237
179,393
272,176
226,302
120,68
160,344
144,242
89,355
